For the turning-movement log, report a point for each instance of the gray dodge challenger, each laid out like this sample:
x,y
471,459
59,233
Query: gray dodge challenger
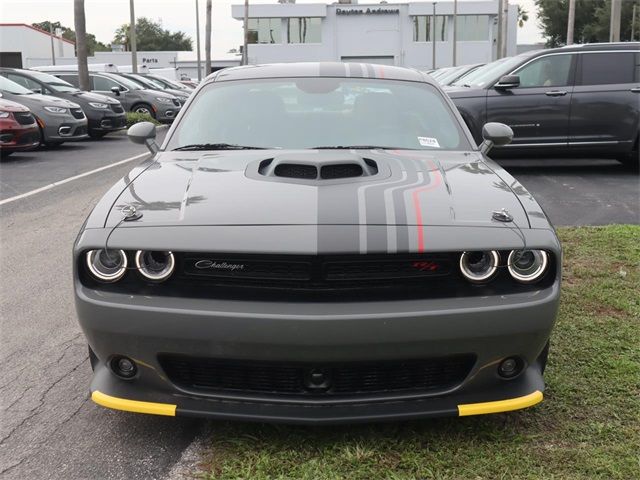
x,y
317,243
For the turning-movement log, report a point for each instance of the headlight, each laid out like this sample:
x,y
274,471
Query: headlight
x,y
164,99
98,105
155,265
527,266
107,266
478,267
4,114
56,109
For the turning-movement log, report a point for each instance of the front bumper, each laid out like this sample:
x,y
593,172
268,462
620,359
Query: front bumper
x,y
65,130
108,122
168,112
489,328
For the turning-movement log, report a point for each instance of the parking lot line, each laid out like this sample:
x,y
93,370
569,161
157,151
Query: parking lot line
x,y
70,179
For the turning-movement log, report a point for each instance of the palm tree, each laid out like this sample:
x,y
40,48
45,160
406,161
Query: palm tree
x,y
207,40
523,16
81,44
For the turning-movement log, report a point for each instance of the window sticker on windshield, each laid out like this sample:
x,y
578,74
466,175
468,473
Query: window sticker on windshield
x,y
429,142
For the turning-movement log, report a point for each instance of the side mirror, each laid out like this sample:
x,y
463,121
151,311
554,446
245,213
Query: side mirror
x,y
507,82
144,133
116,90
495,134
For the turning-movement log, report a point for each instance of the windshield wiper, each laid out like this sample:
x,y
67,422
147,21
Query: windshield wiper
x,y
217,146
354,147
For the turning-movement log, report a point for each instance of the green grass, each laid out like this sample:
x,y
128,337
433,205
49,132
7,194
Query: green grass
x,y
588,427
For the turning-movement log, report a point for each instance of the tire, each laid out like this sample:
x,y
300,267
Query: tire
x,y
96,135
143,108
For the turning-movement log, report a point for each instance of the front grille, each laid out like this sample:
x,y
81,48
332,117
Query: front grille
x,y
77,113
117,108
295,379
24,118
80,131
28,138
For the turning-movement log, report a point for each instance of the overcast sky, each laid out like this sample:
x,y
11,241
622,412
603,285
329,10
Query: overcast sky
x,y
105,16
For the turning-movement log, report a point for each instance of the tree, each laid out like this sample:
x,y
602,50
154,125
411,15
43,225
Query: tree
x,y
81,44
151,37
93,45
523,16
591,20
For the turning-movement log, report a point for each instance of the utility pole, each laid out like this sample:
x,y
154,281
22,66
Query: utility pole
x,y
198,41
207,40
132,38
433,32
499,35
53,50
571,21
614,28
505,27
455,26
245,26
81,44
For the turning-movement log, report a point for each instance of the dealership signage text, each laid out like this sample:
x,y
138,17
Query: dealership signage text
x,y
367,11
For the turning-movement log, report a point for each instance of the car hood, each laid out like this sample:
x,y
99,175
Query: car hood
x,y
39,100
92,97
410,188
464,92
9,106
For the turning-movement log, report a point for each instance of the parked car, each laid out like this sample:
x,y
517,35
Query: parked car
x,y
170,83
189,83
282,259
457,73
104,114
160,105
59,120
150,84
18,128
582,101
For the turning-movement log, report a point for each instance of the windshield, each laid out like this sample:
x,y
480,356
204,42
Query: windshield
x,y
54,82
131,85
320,113
168,83
488,73
143,82
7,85
445,78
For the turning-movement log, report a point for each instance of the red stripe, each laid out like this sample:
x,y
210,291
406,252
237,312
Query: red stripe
x,y
437,180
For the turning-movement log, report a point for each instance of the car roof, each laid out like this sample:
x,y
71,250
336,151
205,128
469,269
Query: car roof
x,y
593,47
319,69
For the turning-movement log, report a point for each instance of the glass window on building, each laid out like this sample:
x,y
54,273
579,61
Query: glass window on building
x,y
473,28
423,24
264,30
304,30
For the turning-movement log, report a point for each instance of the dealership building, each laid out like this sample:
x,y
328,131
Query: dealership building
x,y
386,33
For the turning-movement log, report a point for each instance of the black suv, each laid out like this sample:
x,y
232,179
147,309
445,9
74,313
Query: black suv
x,y
104,114
582,101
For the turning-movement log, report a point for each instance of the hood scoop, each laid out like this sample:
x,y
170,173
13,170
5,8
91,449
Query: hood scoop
x,y
314,166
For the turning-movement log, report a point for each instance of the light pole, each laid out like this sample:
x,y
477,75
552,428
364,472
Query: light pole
x,y
571,21
455,26
433,32
53,50
198,41
132,38
207,40
245,54
614,28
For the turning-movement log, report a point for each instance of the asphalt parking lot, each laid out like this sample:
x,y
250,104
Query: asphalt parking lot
x,y
48,426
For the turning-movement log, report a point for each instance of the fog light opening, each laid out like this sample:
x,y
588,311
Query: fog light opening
x,y
510,367
123,367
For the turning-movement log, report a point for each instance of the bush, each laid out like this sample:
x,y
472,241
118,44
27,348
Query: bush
x,y
133,118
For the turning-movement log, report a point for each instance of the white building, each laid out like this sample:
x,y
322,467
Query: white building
x,y
386,33
19,42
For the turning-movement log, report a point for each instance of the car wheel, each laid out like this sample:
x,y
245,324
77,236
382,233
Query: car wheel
x,y
96,135
144,108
